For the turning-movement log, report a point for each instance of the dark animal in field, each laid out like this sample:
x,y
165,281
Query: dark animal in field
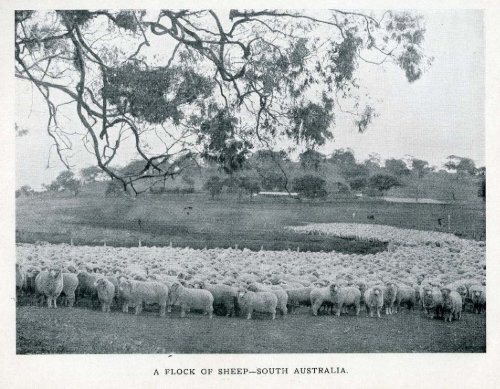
x,y
370,217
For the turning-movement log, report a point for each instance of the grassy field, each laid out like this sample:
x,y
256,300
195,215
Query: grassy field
x,y
196,221
79,330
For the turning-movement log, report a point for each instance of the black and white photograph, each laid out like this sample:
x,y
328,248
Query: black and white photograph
x,y
255,180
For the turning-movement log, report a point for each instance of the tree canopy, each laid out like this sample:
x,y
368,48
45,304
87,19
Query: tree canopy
x,y
185,84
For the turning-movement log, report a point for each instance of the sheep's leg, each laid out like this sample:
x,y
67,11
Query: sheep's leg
x,y
162,311
386,310
103,306
249,315
210,313
358,308
49,302
183,311
339,309
125,308
137,309
378,312
273,315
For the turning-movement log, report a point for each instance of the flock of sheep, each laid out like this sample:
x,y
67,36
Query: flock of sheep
x,y
439,273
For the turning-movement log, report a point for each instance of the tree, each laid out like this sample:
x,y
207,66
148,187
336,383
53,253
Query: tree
x,y
66,181
461,165
396,167
272,180
342,158
90,174
214,185
383,182
420,166
311,160
114,189
356,175
249,185
179,82
310,186
25,191
482,188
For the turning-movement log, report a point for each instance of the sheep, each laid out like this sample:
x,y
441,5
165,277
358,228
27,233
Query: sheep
x,y
192,299
345,295
477,295
374,299
452,304
405,295
70,283
20,279
105,293
298,297
461,288
318,296
390,294
50,284
264,302
277,290
362,286
225,297
86,287
135,293
433,302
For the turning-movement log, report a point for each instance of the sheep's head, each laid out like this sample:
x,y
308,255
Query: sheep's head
x,y
476,295
125,285
252,287
242,294
55,272
334,288
100,283
445,292
377,291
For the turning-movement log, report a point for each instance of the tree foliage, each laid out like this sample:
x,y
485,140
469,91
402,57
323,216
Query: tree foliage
x,y
461,165
310,186
186,84
311,160
397,167
383,182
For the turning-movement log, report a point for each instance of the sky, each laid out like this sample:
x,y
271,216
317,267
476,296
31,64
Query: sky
x,y
439,115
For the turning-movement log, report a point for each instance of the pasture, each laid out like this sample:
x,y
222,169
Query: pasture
x,y
196,221
78,330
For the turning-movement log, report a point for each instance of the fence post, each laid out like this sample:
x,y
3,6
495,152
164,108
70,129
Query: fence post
x,y
236,247
139,243
449,222
71,241
298,249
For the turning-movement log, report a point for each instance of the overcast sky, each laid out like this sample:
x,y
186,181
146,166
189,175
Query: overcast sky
x,y
439,115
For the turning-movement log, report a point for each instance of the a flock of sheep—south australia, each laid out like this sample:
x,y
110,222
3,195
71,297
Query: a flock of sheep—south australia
x,y
437,273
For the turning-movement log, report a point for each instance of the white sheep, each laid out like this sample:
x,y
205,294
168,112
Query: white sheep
x,y
433,302
86,287
280,293
105,293
70,283
135,293
477,295
264,302
225,297
452,304
50,284
374,300
189,299
460,287
405,295
390,293
345,296
318,296
298,297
